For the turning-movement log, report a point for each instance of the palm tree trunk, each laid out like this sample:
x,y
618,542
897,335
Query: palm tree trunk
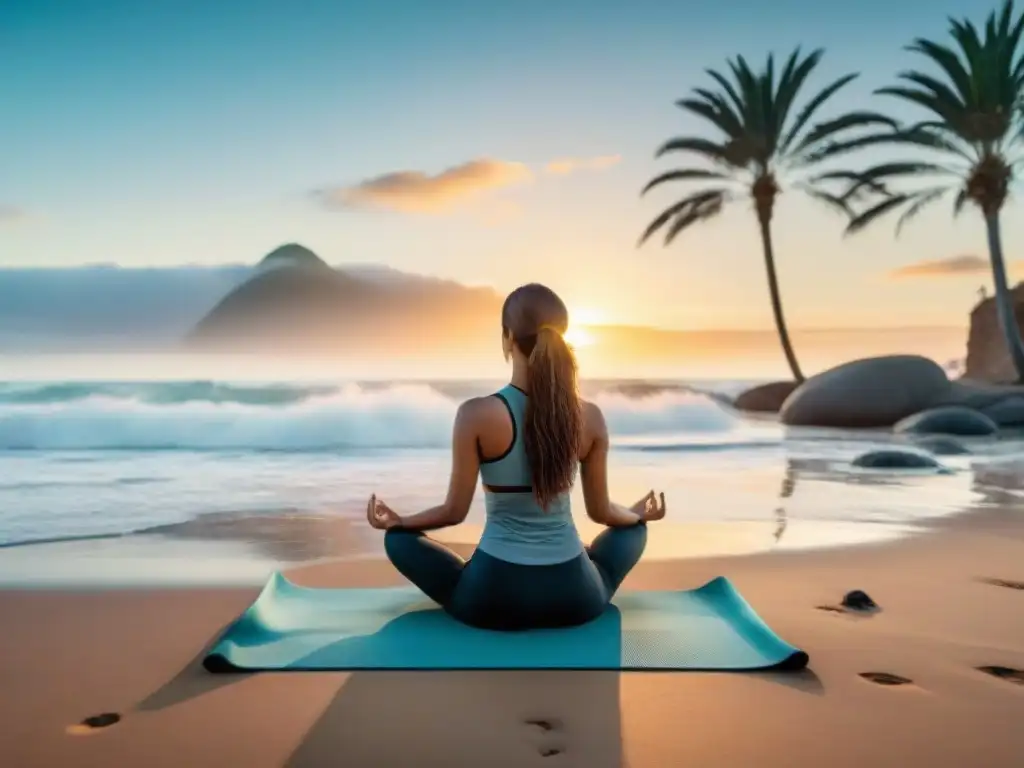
x,y
1004,300
773,289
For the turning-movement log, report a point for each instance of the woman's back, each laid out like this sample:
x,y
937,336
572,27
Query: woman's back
x,y
518,530
527,443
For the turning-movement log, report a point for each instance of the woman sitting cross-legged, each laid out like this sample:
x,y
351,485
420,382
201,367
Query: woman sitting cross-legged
x,y
525,442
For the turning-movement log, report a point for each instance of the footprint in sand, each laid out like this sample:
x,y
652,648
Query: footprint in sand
x,y
1005,583
549,729
885,678
1004,673
93,723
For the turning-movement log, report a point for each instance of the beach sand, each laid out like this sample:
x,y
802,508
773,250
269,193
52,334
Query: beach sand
x,y
68,655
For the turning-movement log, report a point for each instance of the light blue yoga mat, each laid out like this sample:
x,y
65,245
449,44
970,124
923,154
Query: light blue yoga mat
x,y
298,628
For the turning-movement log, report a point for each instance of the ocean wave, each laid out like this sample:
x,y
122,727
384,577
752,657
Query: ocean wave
x,y
218,417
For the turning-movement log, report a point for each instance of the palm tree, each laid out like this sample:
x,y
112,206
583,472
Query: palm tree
x,y
761,136
968,138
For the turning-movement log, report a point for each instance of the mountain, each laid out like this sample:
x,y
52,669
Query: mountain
x,y
295,302
107,307
292,255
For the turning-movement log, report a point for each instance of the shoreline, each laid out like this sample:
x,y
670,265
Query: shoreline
x,y
72,654
163,561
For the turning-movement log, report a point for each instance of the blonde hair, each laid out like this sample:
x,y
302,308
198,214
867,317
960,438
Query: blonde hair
x,y
537,319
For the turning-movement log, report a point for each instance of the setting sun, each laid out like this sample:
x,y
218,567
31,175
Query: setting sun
x,y
578,337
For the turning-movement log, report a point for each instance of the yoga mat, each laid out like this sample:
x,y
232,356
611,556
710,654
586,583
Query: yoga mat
x,y
298,628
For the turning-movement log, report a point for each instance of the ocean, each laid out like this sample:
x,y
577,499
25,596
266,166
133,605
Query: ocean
x,y
221,480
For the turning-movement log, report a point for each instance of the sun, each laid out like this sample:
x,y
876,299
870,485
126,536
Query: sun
x,y
579,318
578,337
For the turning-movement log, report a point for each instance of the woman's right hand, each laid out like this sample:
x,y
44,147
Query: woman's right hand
x,y
650,508
380,516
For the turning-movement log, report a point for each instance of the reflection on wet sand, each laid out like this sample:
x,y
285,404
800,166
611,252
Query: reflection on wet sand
x,y
789,478
1000,483
287,537
737,508
213,549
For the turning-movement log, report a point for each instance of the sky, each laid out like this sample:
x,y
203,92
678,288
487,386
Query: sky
x,y
494,144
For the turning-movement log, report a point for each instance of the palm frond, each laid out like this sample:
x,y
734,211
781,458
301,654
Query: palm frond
x,y
684,174
835,202
875,212
959,202
684,210
794,75
854,181
826,130
811,108
915,202
921,200
875,176
713,108
709,150
947,113
730,91
947,60
914,136
698,212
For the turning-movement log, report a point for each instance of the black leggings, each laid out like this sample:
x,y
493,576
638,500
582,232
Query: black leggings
x,y
495,594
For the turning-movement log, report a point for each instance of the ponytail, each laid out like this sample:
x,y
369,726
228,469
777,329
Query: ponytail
x,y
554,419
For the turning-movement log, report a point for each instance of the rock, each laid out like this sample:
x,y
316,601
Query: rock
x,y
941,445
1008,412
948,420
895,459
873,392
987,356
858,600
765,398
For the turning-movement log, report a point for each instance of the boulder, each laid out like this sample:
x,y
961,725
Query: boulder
x,y
765,398
948,420
872,392
941,445
1008,412
988,359
888,458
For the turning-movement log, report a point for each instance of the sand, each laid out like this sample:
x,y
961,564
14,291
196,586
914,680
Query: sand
x,y
67,655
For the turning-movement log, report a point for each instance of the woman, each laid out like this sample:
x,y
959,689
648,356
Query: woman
x,y
525,442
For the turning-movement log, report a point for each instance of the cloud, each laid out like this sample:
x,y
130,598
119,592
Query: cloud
x,y
567,165
418,192
10,213
948,267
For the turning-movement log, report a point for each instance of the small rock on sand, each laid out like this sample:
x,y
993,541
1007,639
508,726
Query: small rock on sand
x,y
858,600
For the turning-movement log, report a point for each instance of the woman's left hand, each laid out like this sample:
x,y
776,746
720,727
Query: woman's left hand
x,y
380,516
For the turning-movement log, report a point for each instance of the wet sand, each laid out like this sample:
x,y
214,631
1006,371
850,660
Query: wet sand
x,y
950,604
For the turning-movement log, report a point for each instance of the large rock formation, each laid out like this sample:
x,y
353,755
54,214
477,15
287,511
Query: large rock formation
x,y
987,356
882,391
295,302
874,392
